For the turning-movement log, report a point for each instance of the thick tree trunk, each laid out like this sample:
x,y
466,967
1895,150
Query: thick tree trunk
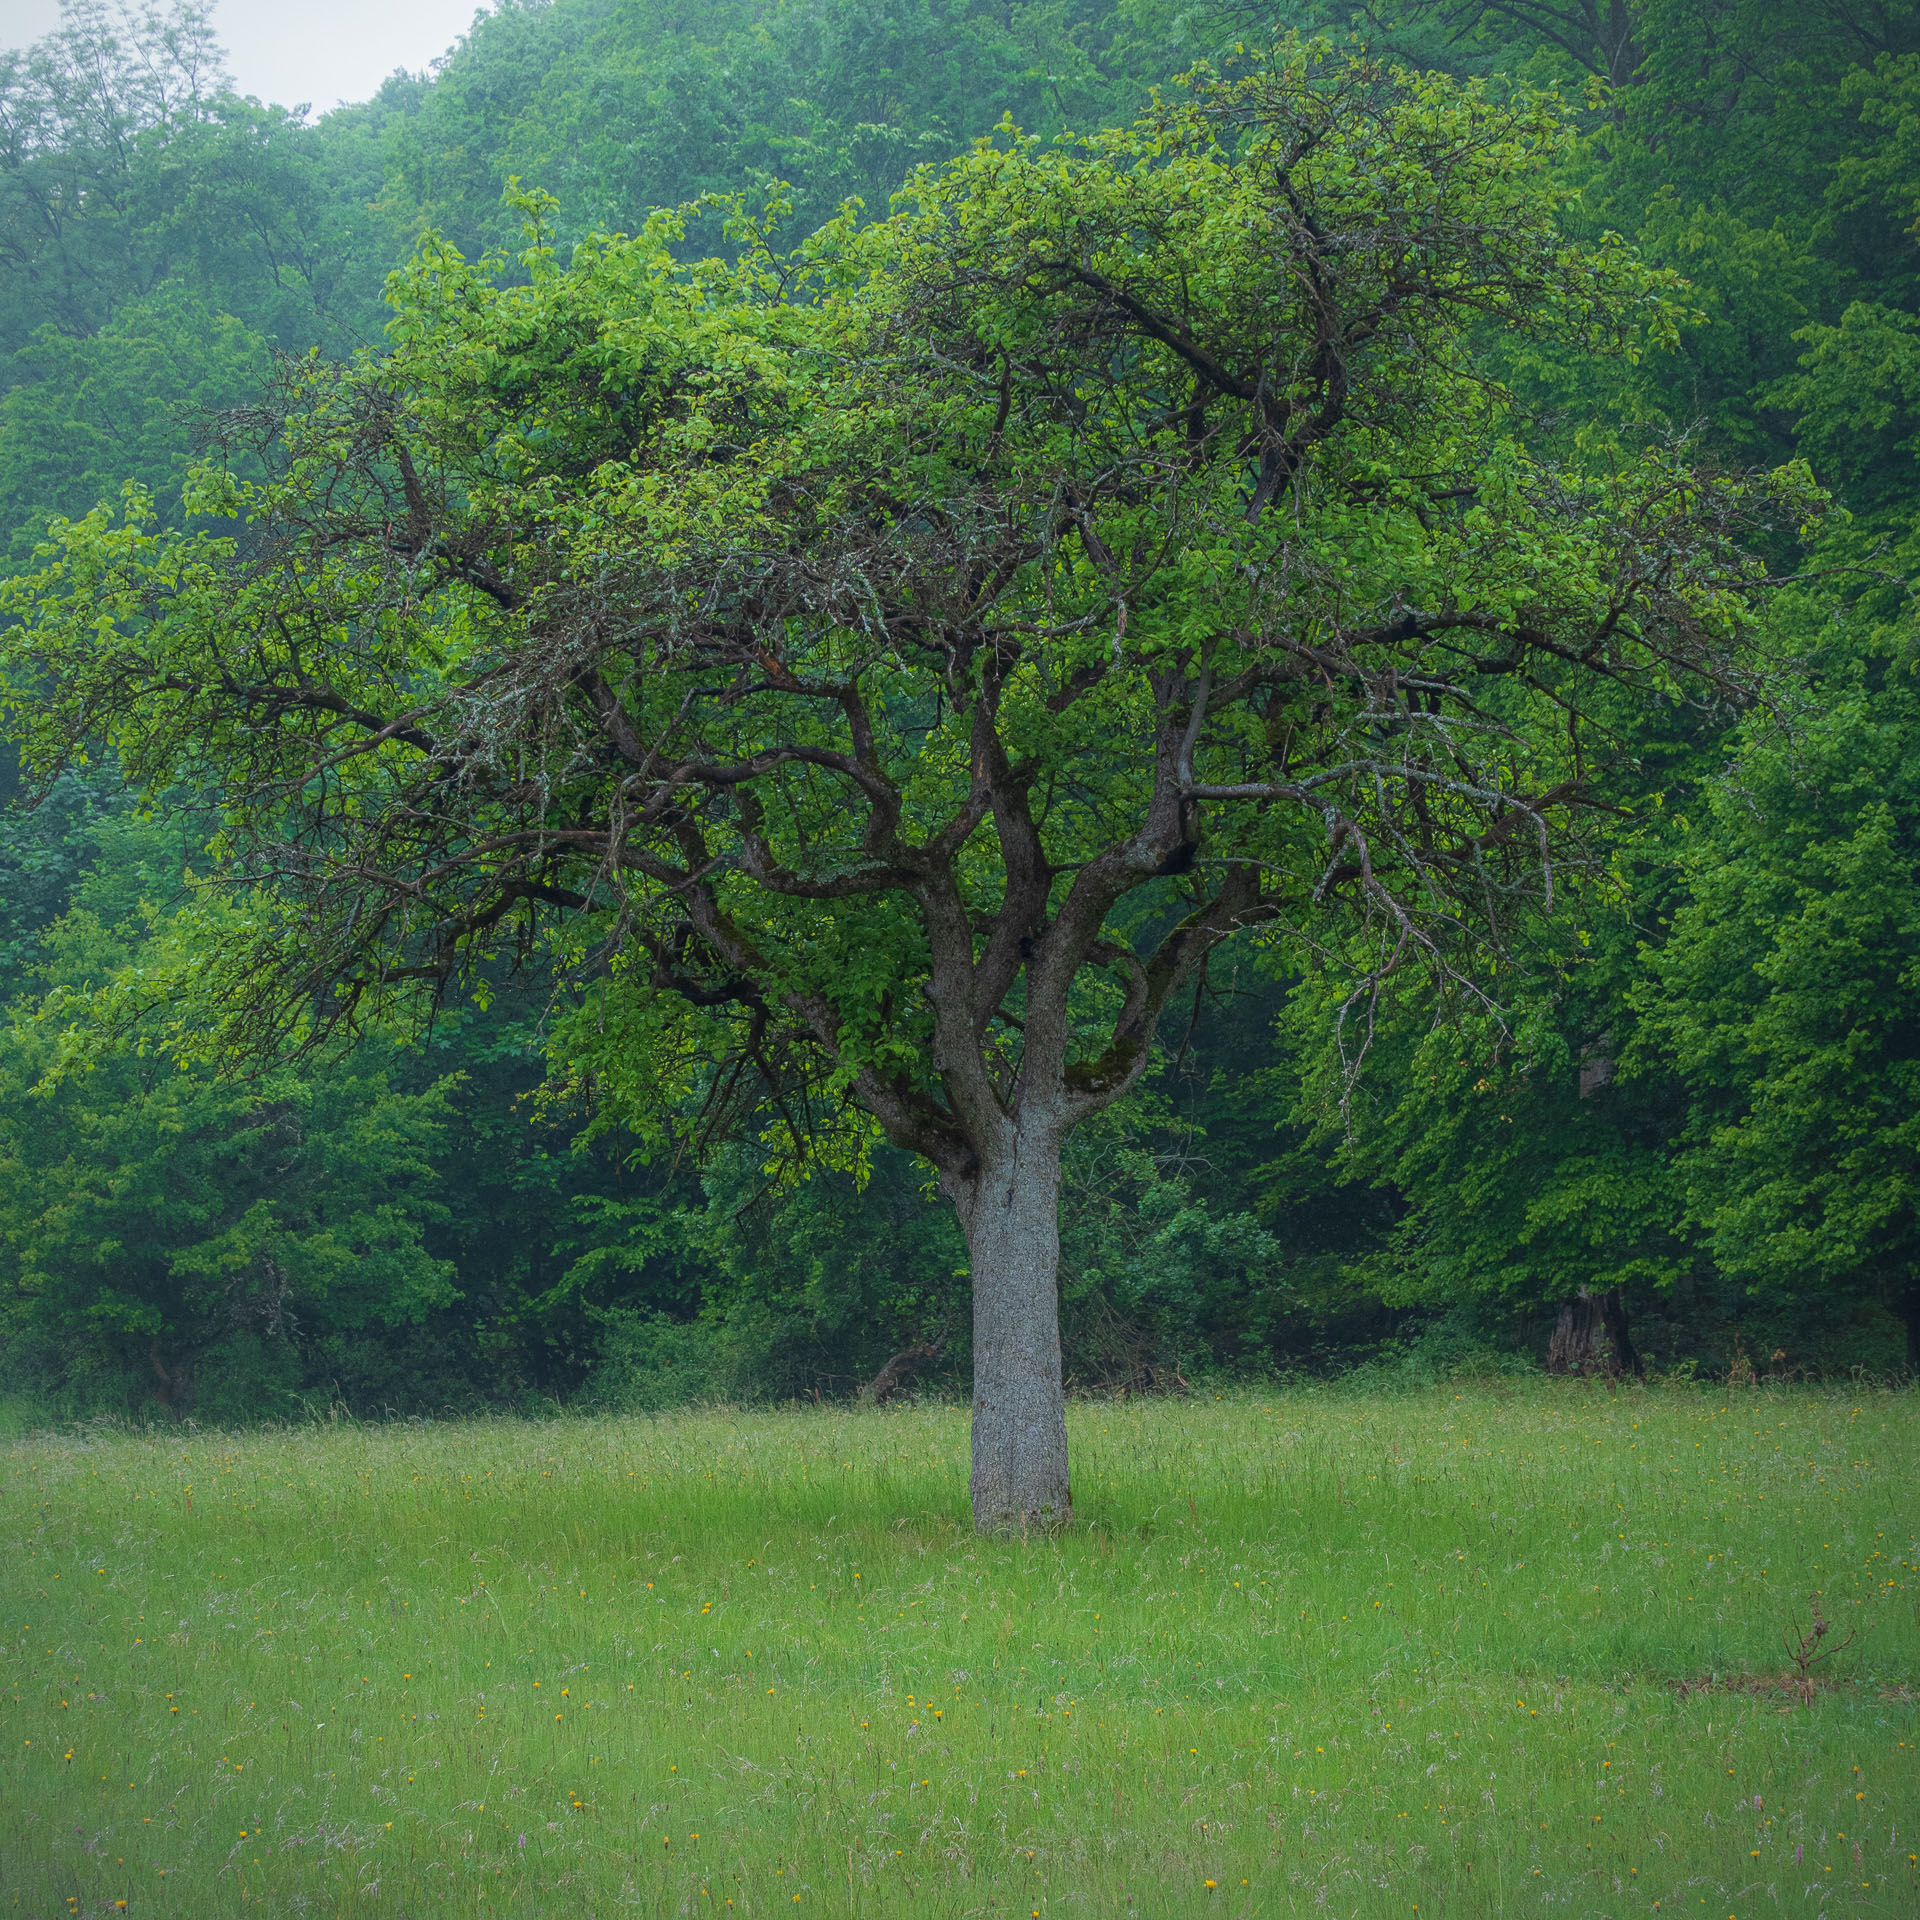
x,y
1591,1336
1010,1212
1577,1335
1909,1311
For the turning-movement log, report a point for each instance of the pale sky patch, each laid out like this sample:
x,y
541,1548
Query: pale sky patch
x,y
320,52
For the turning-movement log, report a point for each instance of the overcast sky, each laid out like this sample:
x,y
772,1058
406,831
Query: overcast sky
x,y
287,51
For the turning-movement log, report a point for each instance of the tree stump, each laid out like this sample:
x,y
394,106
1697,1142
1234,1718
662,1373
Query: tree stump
x,y
1591,1336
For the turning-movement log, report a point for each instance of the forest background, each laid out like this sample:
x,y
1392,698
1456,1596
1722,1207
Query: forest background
x,y
1695,1112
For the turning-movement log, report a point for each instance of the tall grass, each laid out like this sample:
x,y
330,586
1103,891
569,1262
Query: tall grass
x,y
1303,1653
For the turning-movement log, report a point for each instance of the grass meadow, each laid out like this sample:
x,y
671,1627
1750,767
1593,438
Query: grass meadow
x,y
1510,1649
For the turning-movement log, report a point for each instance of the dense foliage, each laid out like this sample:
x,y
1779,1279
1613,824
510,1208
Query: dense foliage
x,y
1695,1096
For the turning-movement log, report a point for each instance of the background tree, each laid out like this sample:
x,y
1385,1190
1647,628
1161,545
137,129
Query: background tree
x,y
1531,1170
620,109
172,1231
1785,1000
129,403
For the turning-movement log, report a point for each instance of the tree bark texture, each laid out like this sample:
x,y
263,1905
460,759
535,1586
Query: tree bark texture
x,y
1010,1212
1577,1334
1591,1336
894,1375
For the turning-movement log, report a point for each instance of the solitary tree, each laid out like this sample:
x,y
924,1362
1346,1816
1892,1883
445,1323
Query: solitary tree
x,y
880,673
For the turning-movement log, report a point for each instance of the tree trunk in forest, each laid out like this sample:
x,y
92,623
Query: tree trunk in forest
x,y
171,1387
1010,1213
1591,1336
1909,1311
1626,1357
1575,1346
893,1376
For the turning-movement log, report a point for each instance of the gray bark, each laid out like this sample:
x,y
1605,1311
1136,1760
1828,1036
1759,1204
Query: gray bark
x,y
1010,1212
